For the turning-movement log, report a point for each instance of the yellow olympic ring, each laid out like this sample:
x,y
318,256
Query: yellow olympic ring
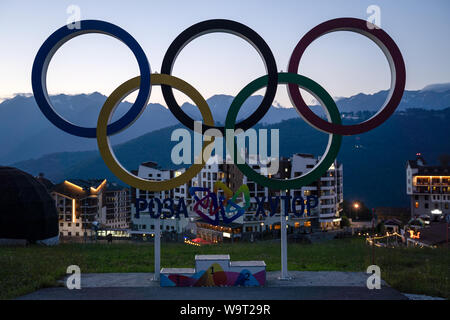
x,y
105,148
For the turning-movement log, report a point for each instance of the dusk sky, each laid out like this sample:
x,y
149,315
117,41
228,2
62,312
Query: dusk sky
x,y
343,63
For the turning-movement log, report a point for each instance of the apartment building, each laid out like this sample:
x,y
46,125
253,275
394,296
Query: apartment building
x,y
428,188
143,222
329,191
118,208
82,203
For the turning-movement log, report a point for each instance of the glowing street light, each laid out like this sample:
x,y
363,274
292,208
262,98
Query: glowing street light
x,y
356,207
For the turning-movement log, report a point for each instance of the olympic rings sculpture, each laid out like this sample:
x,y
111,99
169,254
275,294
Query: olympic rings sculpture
x,y
146,80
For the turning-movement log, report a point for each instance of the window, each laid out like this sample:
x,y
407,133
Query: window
x,y
416,204
426,205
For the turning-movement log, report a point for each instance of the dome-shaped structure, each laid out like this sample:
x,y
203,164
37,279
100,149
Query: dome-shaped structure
x,y
27,211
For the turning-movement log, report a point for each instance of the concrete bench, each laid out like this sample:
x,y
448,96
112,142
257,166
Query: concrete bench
x,y
187,271
247,264
216,270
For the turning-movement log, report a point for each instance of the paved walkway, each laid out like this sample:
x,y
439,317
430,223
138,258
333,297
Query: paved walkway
x,y
214,293
299,279
321,285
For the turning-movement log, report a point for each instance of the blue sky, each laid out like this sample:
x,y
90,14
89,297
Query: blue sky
x,y
343,63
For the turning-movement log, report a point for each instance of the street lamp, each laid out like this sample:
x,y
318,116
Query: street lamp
x,y
356,207
262,225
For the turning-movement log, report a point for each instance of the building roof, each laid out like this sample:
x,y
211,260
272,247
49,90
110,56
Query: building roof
x,y
412,164
433,171
150,164
79,189
27,211
424,169
435,234
392,222
113,186
86,184
305,155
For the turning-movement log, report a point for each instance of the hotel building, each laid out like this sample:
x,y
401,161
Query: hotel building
x,y
80,203
329,190
428,188
144,223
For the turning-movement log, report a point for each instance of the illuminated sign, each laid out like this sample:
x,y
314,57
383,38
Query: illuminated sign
x,y
224,206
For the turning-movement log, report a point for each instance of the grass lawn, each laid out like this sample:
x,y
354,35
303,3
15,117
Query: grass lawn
x,y
410,270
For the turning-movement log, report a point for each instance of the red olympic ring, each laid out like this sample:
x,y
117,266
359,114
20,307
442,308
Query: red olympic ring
x,y
396,64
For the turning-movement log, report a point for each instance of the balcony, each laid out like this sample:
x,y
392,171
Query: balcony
x,y
328,215
421,190
328,206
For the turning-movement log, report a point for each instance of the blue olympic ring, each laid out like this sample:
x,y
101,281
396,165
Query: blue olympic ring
x,y
54,42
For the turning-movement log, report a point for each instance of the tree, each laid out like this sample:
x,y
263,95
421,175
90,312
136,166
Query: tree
x,y
345,222
380,228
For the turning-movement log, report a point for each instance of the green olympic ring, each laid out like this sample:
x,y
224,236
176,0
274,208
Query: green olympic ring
x,y
334,141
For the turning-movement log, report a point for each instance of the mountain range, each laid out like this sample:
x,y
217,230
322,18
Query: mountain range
x,y
374,162
21,118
